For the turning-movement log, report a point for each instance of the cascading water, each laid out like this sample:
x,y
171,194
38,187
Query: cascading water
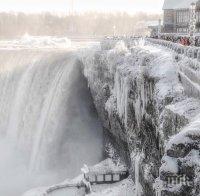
x,y
48,124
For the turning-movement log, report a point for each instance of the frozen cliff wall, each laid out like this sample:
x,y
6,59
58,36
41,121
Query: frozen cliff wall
x,y
141,101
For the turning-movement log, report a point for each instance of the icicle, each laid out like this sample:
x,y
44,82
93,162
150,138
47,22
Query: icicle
x,y
138,187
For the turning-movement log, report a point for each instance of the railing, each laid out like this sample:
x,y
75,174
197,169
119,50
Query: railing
x,y
189,51
64,186
188,73
90,178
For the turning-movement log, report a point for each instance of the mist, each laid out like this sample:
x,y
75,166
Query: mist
x,y
49,127
95,24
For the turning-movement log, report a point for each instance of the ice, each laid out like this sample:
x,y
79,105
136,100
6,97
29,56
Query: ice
x,y
37,42
169,164
138,188
123,188
120,70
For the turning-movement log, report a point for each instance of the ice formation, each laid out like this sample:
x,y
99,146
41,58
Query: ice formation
x,y
142,91
37,42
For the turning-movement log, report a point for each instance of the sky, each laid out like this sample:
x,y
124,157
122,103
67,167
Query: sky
x,y
130,6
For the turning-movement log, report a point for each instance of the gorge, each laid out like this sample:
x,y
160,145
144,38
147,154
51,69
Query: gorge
x,y
58,106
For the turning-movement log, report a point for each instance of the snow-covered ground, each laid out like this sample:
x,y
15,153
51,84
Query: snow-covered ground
x,y
123,188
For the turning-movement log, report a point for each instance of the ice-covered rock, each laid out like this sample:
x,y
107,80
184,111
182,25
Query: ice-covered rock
x,y
142,102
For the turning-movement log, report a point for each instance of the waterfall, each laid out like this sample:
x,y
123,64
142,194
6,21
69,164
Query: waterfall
x,y
48,123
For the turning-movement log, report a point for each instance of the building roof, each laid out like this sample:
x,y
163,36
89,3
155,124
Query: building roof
x,y
177,4
107,166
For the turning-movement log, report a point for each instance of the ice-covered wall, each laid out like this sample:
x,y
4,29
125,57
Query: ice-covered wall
x,y
141,101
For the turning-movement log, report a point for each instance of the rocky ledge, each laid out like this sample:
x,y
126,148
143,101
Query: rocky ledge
x,y
143,102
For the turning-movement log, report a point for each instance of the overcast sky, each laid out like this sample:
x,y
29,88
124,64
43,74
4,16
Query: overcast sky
x,y
130,6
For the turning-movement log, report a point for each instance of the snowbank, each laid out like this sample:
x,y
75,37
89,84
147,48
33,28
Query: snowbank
x,y
123,188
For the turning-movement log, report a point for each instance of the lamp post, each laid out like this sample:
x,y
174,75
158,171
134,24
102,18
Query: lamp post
x,y
114,30
159,28
192,23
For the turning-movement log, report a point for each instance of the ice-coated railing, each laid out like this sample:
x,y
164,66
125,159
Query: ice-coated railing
x,y
189,70
189,51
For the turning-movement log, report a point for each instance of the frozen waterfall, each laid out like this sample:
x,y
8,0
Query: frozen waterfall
x,y
48,124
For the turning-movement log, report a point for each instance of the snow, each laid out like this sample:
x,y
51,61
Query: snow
x,y
120,47
126,66
189,108
169,164
107,166
166,70
138,188
186,135
189,74
123,188
36,192
192,158
103,167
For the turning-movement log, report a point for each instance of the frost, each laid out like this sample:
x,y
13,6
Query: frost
x,y
120,47
123,188
137,158
147,75
189,108
169,164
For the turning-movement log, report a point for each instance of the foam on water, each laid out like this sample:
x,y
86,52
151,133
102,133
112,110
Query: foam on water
x,y
31,42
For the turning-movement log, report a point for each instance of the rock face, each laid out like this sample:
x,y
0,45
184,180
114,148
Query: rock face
x,y
141,102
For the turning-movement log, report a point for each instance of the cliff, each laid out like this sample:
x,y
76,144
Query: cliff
x,y
144,104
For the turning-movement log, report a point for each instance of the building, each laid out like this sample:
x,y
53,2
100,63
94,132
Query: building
x,y
147,28
154,27
107,172
177,15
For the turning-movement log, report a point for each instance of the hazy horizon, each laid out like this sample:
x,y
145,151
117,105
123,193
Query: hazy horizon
x,y
67,6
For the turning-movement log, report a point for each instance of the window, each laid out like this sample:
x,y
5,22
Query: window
x,y
92,178
108,178
100,178
116,177
182,16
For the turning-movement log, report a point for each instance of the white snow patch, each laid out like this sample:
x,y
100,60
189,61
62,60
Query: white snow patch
x,y
185,136
189,108
123,188
169,164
